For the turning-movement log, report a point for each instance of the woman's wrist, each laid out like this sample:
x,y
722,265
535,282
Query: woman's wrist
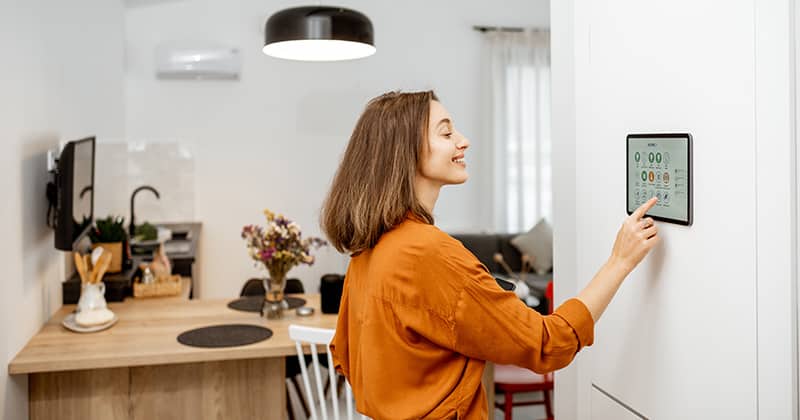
x,y
599,292
618,264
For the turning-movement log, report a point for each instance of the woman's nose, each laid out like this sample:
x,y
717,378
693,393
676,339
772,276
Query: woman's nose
x,y
463,142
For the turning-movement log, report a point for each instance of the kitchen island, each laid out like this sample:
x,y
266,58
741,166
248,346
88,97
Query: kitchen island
x,y
138,370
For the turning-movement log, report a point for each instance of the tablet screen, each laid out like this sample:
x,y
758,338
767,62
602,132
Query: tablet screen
x,y
660,165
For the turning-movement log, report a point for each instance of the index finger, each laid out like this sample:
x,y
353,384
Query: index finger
x,y
644,208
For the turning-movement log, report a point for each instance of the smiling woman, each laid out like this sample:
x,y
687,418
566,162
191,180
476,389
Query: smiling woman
x,y
420,315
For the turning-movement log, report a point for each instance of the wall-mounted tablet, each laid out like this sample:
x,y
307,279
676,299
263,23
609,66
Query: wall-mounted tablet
x,y
660,165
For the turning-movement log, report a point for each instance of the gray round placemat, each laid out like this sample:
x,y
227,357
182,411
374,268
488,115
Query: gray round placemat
x,y
254,303
229,335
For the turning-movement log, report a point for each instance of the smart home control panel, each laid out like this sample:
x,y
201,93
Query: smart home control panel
x,y
660,165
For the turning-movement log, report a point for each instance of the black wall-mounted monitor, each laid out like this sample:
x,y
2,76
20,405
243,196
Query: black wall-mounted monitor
x,y
75,186
660,165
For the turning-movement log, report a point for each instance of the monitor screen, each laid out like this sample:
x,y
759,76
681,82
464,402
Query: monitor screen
x,y
660,165
75,182
82,185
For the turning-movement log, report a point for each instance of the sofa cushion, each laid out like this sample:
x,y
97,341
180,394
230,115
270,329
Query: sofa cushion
x,y
538,244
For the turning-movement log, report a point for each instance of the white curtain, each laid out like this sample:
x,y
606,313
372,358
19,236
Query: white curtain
x,y
520,128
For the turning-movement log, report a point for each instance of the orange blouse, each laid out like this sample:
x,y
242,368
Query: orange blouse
x,y
419,317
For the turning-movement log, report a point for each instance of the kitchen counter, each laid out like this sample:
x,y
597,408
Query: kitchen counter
x,y
182,251
146,335
137,369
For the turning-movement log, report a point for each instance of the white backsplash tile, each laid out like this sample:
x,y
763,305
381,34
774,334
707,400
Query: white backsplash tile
x,y
166,165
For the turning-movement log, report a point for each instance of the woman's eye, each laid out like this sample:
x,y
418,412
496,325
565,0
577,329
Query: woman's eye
x,y
448,135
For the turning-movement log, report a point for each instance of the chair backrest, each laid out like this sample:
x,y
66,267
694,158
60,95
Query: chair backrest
x,y
548,293
294,285
253,287
314,336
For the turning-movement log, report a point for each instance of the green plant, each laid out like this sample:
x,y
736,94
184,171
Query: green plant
x,y
146,232
110,229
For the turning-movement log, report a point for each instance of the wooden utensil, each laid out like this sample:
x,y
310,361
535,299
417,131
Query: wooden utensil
x,y
102,265
498,258
80,265
87,263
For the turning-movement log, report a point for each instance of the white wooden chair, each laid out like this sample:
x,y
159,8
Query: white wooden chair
x,y
314,336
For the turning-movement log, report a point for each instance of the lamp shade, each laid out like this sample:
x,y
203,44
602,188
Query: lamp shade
x,y
318,33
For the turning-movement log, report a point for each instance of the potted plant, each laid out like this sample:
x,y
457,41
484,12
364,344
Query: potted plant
x,y
110,234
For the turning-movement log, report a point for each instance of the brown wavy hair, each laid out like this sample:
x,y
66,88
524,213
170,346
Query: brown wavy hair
x,y
373,189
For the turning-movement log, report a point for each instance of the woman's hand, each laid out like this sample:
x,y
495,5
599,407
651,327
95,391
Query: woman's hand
x,y
637,236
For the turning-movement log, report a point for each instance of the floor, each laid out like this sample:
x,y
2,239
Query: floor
x,y
527,412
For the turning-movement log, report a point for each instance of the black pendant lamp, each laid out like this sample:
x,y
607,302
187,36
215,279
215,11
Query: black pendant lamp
x,y
319,33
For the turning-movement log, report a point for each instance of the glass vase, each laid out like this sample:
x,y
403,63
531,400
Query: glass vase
x,y
274,302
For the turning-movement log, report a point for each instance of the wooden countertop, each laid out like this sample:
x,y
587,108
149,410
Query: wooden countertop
x,y
146,334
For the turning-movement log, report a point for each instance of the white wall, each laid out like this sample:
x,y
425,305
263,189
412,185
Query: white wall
x,y
274,138
703,328
61,79
776,221
562,59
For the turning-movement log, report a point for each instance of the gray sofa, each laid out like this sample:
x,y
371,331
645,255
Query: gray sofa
x,y
485,245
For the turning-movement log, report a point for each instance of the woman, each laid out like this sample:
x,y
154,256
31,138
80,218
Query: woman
x,y
420,314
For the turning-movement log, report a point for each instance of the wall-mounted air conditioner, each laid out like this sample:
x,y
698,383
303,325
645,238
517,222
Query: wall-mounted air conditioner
x,y
197,61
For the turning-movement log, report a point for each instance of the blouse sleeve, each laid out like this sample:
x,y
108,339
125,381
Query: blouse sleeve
x,y
490,323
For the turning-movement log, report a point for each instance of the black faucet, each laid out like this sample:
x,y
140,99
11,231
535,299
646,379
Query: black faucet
x,y
132,227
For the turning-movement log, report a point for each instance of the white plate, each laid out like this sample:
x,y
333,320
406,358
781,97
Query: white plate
x,y
70,324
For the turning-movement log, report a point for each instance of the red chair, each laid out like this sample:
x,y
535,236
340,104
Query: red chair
x,y
510,379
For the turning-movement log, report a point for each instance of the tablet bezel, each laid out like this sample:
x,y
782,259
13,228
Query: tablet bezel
x,y
690,176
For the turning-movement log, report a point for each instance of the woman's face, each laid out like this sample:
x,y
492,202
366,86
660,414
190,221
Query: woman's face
x,y
443,160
